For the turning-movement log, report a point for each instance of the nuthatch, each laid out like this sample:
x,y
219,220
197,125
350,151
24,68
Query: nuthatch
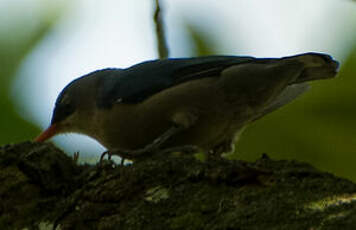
x,y
204,102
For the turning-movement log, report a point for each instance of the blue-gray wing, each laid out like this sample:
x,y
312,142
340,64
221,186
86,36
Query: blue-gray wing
x,y
139,82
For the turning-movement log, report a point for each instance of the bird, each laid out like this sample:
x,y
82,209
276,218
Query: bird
x,y
195,103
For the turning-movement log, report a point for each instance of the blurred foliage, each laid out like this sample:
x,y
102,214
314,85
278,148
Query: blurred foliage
x,y
319,127
201,42
17,41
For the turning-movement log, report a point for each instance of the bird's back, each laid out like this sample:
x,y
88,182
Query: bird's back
x,y
139,82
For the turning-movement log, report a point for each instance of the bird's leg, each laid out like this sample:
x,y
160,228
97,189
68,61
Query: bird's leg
x,y
181,121
150,148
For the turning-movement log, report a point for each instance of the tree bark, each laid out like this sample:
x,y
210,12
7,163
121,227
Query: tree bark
x,y
43,188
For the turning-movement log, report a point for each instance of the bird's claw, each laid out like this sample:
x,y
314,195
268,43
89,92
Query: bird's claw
x,y
104,154
110,154
149,151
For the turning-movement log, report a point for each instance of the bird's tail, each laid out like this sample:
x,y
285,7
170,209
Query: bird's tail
x,y
316,66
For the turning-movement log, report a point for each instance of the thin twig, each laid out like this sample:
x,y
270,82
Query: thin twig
x,y
160,33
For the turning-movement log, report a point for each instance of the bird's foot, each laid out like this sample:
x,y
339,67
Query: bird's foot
x,y
133,154
111,153
150,149
147,152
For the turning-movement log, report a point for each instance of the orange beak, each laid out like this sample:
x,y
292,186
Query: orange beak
x,y
47,134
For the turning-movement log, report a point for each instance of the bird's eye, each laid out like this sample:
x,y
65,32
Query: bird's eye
x,y
63,100
66,108
62,111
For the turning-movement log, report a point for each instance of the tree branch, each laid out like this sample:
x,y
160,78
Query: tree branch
x,y
161,39
42,187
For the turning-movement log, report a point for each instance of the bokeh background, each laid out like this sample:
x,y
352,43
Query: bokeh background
x,y
44,44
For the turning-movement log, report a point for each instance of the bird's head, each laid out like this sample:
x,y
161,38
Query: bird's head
x,y
73,109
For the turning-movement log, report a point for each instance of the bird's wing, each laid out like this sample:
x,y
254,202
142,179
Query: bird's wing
x,y
137,83
290,93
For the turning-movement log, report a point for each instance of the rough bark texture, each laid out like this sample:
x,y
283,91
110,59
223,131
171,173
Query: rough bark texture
x,y
42,188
